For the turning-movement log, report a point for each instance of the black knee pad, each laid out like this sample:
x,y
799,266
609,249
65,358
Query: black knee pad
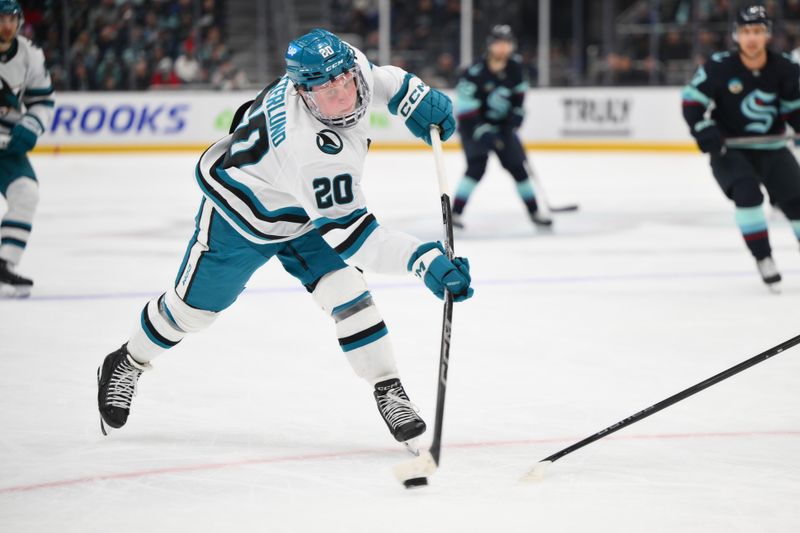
x,y
746,194
791,208
476,166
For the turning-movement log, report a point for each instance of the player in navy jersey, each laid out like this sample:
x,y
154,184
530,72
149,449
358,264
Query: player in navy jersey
x,y
754,92
489,109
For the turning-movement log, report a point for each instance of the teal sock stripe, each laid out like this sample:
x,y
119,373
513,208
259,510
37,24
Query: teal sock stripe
x,y
796,228
751,219
465,187
525,190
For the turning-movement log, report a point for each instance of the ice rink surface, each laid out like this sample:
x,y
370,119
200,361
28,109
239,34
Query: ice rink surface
x,y
259,424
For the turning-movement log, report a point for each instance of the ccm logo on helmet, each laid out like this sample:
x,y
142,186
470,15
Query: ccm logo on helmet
x,y
412,99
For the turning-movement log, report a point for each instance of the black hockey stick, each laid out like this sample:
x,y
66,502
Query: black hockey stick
x,y
414,473
538,470
544,204
760,139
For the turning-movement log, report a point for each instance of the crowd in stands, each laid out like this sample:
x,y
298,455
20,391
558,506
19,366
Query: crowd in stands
x,y
142,44
425,37
120,45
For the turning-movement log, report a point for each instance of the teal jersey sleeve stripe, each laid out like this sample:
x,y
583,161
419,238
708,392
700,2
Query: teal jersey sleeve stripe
x,y
41,91
256,203
787,106
321,222
694,95
351,248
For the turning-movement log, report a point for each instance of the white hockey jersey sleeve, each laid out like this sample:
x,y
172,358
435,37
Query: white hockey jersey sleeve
x,y
337,207
38,91
387,81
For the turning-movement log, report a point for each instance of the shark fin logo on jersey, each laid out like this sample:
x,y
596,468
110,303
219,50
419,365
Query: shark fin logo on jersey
x,y
329,142
7,96
756,106
735,86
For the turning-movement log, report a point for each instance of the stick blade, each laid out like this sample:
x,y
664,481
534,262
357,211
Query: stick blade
x,y
564,208
419,467
538,472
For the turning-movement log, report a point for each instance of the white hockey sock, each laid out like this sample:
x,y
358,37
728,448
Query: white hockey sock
x,y
155,332
22,197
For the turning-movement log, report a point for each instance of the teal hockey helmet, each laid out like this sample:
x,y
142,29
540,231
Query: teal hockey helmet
x,y
323,68
12,7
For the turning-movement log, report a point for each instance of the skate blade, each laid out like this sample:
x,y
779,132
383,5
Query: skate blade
x,y
14,292
774,288
412,447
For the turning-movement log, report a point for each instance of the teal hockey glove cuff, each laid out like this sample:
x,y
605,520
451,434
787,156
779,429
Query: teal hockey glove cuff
x,y
423,107
438,273
24,135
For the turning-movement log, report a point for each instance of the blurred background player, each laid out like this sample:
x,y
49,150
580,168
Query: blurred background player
x,y
287,182
489,108
755,92
26,106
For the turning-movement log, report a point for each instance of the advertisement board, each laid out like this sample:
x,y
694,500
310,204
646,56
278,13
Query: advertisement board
x,y
593,118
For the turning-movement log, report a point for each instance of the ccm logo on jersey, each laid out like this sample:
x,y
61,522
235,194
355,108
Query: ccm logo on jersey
x,y
416,90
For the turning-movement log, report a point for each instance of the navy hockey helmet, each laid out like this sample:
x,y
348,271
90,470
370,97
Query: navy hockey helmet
x,y
320,62
752,15
500,32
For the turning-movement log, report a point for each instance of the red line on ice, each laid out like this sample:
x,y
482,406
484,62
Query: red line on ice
x,y
338,455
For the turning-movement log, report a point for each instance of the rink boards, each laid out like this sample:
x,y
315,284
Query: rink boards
x,y
639,119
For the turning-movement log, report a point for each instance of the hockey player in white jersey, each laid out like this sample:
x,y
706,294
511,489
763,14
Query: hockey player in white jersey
x,y
26,107
287,182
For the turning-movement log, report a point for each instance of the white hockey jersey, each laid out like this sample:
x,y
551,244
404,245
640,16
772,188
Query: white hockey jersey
x,y
282,173
26,86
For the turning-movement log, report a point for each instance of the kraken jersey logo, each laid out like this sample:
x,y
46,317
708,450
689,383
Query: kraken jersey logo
x,y
756,106
329,142
735,86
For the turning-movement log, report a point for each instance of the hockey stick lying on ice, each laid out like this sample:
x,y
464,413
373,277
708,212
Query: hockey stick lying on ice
x,y
760,139
538,470
541,197
414,473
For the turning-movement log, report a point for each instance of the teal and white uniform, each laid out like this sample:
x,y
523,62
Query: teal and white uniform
x,y
26,97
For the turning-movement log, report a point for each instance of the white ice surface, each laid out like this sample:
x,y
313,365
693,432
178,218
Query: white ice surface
x,y
258,424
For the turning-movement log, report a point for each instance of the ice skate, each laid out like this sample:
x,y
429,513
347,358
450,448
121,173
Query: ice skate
x,y
116,386
769,274
540,220
457,222
399,413
11,284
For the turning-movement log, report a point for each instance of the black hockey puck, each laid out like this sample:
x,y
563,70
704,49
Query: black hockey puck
x,y
415,482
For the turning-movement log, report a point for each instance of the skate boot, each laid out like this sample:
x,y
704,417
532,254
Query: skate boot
x,y
457,222
116,387
769,273
397,411
12,284
540,220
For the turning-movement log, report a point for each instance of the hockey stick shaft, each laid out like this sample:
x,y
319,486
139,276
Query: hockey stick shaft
x,y
447,316
760,139
663,404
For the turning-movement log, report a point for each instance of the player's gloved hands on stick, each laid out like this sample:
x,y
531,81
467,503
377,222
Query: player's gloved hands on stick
x,y
438,272
708,137
423,107
24,135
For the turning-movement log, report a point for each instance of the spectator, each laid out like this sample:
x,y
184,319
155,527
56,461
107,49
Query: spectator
x,y
164,74
187,67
